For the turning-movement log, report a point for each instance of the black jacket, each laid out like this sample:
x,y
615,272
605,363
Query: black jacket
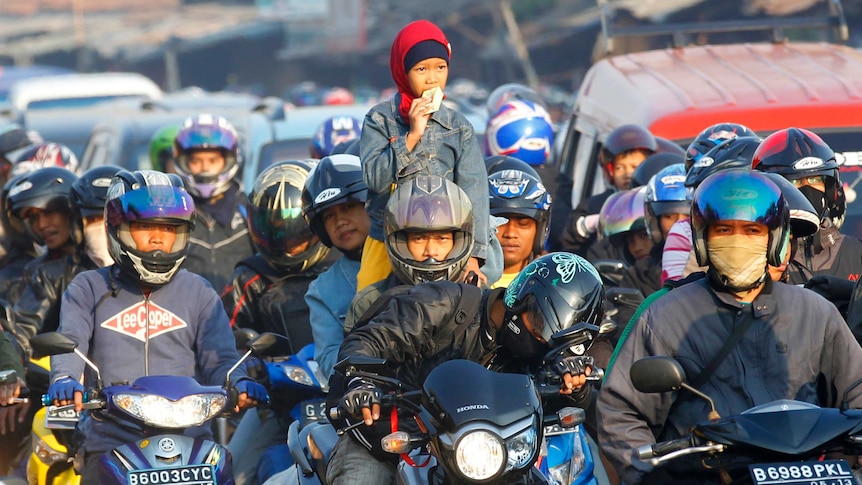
x,y
826,253
266,300
220,238
37,310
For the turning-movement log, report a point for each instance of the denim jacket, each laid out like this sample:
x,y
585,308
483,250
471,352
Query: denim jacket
x,y
448,149
328,299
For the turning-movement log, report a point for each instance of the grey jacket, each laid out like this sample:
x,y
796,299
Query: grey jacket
x,y
448,149
796,338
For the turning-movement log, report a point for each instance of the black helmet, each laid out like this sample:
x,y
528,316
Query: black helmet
x,y
711,137
89,194
652,165
428,203
625,139
148,195
729,154
744,195
275,218
15,234
517,191
797,153
804,220
47,189
496,163
561,290
13,141
335,180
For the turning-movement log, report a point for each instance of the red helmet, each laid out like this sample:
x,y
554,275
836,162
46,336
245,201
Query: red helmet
x,y
797,153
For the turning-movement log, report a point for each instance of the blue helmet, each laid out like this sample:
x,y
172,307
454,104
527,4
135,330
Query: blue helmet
x,y
743,195
521,129
331,132
666,193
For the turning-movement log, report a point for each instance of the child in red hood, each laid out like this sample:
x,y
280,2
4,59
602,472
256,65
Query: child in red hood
x,y
404,137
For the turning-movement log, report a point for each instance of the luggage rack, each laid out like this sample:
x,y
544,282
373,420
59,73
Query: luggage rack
x,y
680,33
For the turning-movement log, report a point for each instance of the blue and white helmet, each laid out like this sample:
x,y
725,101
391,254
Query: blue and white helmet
x,y
521,129
335,130
666,193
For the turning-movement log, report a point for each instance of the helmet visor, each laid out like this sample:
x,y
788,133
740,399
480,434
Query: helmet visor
x,y
278,231
157,202
214,137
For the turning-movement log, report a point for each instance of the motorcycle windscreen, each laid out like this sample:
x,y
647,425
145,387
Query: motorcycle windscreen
x,y
465,391
791,432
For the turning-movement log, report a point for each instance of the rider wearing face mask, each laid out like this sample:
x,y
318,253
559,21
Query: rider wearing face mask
x,y
783,342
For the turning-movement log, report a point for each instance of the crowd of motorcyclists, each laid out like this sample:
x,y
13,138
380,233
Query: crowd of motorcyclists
x,y
368,248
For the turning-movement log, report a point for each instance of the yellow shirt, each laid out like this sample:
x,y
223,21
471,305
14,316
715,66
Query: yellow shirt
x,y
504,280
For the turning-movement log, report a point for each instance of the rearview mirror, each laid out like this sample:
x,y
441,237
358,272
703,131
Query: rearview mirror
x,y
270,344
362,363
657,374
242,337
51,343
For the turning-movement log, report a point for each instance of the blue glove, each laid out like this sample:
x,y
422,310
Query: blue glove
x,y
253,389
64,389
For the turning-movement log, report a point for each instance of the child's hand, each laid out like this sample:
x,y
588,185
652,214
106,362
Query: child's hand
x,y
419,114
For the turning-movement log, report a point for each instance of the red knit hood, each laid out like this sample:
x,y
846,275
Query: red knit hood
x,y
410,35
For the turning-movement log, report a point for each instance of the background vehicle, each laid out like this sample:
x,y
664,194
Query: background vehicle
x,y
678,91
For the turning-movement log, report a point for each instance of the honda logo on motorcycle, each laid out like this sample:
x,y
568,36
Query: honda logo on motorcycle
x,y
134,320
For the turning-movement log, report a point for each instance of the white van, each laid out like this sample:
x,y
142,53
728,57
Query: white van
x,y
78,90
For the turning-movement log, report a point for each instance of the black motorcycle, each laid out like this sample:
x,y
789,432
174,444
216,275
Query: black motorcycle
x,y
782,442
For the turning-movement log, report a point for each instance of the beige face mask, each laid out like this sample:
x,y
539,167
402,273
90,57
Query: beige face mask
x,y
740,260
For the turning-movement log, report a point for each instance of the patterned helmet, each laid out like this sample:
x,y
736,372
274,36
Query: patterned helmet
x,y
423,204
521,129
148,196
515,191
335,130
207,132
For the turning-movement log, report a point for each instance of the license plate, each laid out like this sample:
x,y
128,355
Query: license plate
x,y
313,410
829,472
186,475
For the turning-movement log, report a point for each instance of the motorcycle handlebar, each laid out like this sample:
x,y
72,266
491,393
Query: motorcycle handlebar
x,y
646,452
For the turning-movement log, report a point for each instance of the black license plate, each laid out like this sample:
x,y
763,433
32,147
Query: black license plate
x,y
185,475
829,472
313,410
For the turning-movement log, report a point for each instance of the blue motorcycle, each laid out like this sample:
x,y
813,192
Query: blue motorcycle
x,y
163,406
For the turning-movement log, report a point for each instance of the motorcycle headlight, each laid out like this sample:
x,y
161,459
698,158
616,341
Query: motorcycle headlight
x,y
521,448
480,455
160,412
567,471
298,375
45,453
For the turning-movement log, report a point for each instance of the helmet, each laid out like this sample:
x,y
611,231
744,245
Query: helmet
x,y
497,163
712,136
15,234
349,147
207,132
89,194
338,95
47,189
667,146
622,212
511,92
729,154
804,219
666,193
796,153
44,155
625,139
335,180
651,166
561,289
516,191
162,147
331,132
742,195
13,139
428,203
148,195
521,129
275,218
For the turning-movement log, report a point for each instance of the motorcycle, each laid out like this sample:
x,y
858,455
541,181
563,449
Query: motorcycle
x,y
780,442
159,405
49,460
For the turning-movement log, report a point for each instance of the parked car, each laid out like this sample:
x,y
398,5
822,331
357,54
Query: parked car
x,y
79,89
